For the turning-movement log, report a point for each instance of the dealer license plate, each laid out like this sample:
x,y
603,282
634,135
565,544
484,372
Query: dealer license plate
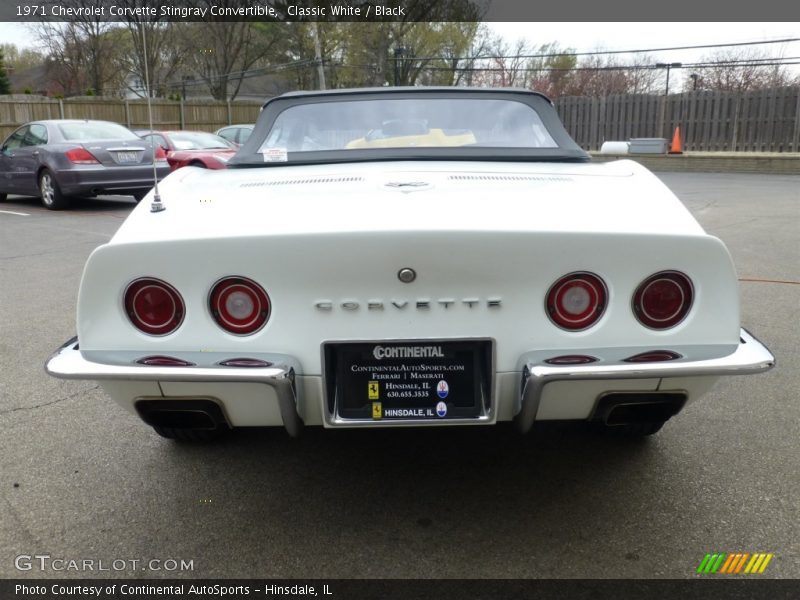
x,y
425,380
127,157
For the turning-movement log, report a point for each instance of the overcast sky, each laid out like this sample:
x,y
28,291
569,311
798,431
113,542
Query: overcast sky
x,y
635,36
592,36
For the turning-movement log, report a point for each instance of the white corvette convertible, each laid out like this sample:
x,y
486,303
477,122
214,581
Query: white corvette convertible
x,y
409,257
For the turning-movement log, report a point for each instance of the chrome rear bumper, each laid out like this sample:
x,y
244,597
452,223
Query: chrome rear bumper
x,y
750,357
68,363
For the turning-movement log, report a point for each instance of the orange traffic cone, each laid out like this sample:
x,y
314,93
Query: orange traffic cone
x,y
675,148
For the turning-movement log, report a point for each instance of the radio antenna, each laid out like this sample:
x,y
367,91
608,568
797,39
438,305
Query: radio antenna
x,y
156,205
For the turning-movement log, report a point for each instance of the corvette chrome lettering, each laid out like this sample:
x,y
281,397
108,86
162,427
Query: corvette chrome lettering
x,y
380,352
419,304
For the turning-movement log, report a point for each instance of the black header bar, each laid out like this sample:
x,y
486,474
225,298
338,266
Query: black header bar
x,y
752,587
398,10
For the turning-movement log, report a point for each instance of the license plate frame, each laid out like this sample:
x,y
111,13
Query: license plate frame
x,y
401,380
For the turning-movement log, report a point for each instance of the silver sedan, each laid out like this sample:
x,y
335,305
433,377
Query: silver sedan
x,y
57,159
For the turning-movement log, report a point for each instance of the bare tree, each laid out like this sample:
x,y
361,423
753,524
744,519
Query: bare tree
x,y
165,56
425,47
5,86
560,73
297,51
366,53
506,64
433,52
221,53
740,70
21,58
599,75
82,51
550,73
642,77
463,67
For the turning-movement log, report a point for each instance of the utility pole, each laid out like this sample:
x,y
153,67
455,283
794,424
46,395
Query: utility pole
x,y
399,51
184,80
318,57
668,66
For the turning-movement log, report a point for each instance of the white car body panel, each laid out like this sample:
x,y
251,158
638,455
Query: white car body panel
x,y
462,250
616,197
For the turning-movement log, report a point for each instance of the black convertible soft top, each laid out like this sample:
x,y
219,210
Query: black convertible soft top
x,y
253,154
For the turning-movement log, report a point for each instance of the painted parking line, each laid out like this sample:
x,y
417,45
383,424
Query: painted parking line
x,y
11,212
753,280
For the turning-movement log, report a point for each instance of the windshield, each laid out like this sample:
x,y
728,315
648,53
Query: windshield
x,y
95,130
406,123
195,140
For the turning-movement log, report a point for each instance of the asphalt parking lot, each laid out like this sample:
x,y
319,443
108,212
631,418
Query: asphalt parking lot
x,y
81,479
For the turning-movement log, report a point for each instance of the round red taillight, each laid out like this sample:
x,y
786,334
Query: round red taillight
x,y
154,306
239,305
576,301
663,300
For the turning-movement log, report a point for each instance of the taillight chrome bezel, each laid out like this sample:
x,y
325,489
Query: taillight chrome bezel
x,y
130,295
651,356
161,360
571,359
686,288
227,322
598,301
245,363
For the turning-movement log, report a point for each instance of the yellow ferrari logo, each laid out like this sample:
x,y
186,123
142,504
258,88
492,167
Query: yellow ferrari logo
x,y
373,390
377,411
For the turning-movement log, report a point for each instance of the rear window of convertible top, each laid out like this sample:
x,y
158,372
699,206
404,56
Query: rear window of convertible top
x,y
407,123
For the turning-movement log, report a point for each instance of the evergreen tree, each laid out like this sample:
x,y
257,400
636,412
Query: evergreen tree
x,y
5,86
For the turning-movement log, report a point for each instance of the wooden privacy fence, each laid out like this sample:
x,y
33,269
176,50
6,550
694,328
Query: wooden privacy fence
x,y
167,114
762,121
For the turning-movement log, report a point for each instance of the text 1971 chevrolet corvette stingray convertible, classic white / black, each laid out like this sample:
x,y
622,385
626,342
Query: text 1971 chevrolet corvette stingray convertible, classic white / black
x,y
409,257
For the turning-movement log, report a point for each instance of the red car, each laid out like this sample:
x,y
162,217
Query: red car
x,y
192,148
